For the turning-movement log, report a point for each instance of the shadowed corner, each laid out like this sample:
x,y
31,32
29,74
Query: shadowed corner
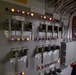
x,y
2,25
7,57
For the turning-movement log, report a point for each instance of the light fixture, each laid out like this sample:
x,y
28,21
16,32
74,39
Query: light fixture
x,y
23,73
18,11
23,39
18,74
12,10
53,19
27,13
27,39
41,16
23,12
32,14
44,17
59,61
12,39
18,39
50,18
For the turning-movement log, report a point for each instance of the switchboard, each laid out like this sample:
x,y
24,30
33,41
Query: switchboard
x,y
32,40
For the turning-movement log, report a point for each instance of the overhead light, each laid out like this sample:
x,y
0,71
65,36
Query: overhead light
x,y
12,10
32,14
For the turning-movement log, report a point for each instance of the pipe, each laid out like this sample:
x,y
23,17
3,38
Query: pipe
x,y
60,5
72,7
65,5
73,12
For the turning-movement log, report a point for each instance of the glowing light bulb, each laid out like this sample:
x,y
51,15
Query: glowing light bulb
x,y
23,39
27,13
50,18
12,39
12,10
18,39
18,74
23,73
27,39
44,17
32,14
59,61
18,11
23,12
41,16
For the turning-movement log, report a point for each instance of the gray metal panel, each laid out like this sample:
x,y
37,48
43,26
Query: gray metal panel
x,y
5,48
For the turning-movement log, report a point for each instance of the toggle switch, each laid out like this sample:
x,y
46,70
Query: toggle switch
x,y
23,51
14,51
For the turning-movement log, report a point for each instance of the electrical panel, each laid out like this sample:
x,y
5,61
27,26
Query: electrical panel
x,y
35,44
67,53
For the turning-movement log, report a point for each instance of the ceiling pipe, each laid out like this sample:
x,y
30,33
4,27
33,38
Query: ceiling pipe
x,y
73,12
64,5
68,8
64,9
59,5
56,3
71,8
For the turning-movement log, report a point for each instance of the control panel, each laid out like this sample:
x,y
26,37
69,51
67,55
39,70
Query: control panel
x,y
34,40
